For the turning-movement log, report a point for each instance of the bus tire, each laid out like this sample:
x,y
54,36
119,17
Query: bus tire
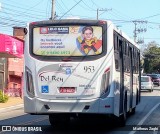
x,y
51,120
122,118
133,111
57,120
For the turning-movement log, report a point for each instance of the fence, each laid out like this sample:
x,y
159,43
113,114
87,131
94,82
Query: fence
x,y
13,92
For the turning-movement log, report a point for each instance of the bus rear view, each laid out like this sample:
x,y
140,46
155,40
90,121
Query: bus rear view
x,y
68,69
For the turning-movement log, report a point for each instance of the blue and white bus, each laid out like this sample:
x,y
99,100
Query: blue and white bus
x,y
77,67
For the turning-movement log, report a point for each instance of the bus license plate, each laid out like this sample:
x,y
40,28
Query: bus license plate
x,y
67,90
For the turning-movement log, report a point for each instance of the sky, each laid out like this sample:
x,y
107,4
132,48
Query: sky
x,y
124,14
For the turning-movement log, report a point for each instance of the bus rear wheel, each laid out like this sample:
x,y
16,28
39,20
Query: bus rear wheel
x,y
59,120
122,118
133,110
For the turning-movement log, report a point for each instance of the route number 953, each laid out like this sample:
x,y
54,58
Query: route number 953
x,y
89,69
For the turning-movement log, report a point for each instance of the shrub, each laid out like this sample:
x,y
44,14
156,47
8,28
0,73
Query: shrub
x,y
3,99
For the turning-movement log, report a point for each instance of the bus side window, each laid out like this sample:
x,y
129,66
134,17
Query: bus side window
x,y
129,59
116,64
115,41
116,51
138,61
124,47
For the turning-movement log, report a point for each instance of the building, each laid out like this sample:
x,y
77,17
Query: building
x,y
15,73
11,69
15,67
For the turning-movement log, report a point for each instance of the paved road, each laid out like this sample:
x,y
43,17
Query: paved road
x,y
156,87
147,113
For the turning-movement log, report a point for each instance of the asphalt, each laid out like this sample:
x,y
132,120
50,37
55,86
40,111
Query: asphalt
x,y
11,104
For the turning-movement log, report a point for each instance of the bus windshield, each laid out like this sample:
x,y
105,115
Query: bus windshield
x,y
67,40
144,79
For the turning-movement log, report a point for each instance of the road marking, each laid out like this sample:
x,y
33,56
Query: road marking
x,y
145,117
155,132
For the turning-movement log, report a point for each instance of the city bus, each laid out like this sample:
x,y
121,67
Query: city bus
x,y
77,68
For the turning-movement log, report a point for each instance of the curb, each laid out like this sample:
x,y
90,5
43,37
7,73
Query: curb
x,y
6,109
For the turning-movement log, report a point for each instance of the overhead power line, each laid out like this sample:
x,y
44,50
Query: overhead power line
x,y
105,10
32,8
151,16
88,6
19,13
70,9
95,4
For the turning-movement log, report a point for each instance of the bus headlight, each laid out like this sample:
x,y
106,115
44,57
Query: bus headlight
x,y
105,83
29,83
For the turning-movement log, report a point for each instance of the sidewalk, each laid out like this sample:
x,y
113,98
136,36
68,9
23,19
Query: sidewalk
x,y
12,103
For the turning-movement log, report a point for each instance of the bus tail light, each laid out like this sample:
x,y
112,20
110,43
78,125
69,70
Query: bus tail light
x,y
33,23
29,84
105,83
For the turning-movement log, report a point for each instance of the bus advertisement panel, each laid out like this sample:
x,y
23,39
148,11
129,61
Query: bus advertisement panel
x,y
67,40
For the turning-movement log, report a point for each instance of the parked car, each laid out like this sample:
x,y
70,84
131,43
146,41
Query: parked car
x,y
155,79
146,83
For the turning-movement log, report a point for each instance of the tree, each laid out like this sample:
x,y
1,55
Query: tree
x,y
152,58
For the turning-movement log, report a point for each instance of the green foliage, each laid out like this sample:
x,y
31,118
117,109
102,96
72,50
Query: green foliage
x,y
4,98
152,58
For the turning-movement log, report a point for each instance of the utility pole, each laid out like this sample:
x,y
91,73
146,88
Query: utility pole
x,y
53,10
0,6
138,30
97,13
135,29
102,10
